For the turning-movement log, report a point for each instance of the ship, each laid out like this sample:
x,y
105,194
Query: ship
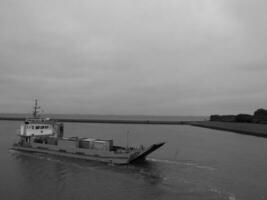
x,y
45,135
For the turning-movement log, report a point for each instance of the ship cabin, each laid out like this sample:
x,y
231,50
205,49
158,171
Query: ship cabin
x,y
40,127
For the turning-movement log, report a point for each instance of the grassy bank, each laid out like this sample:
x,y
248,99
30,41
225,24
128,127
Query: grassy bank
x,y
259,130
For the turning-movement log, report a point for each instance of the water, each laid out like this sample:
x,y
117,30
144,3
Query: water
x,y
196,163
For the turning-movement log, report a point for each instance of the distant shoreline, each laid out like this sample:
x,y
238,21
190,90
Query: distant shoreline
x,y
90,118
259,130
109,121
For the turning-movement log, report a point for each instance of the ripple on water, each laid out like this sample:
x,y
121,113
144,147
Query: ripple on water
x,y
187,163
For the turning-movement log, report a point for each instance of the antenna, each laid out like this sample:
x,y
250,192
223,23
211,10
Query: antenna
x,y
35,108
127,142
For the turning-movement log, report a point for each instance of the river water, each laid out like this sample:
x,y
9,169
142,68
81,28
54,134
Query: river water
x,y
195,163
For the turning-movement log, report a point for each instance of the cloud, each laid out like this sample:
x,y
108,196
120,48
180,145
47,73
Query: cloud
x,y
133,57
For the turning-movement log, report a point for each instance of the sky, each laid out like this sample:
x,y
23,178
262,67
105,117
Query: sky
x,y
131,57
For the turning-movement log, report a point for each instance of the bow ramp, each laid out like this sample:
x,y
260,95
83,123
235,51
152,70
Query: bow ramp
x,y
142,155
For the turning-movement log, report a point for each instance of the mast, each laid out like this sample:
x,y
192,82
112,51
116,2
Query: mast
x,y
35,109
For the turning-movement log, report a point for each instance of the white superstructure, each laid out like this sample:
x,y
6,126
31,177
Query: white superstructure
x,y
38,126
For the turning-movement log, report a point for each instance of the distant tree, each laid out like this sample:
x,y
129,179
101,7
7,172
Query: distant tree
x,y
260,116
260,112
215,118
244,118
223,118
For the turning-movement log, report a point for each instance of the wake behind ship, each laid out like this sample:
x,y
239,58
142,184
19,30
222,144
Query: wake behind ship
x,y
45,135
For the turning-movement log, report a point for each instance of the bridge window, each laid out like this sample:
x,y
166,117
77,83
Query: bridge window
x,y
29,127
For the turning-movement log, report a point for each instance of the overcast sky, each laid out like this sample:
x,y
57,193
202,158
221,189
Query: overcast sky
x,y
156,57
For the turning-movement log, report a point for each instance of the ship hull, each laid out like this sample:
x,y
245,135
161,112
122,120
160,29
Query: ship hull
x,y
107,157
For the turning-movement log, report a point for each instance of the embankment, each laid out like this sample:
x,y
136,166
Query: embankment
x,y
259,130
